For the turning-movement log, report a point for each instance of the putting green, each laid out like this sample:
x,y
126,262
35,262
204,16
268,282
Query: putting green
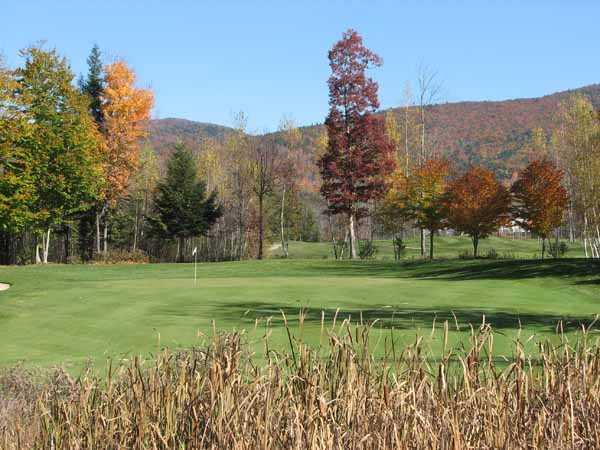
x,y
67,314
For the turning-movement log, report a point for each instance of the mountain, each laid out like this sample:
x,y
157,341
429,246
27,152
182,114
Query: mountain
x,y
165,133
492,133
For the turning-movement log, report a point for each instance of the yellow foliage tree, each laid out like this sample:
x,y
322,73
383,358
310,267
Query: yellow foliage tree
x,y
126,111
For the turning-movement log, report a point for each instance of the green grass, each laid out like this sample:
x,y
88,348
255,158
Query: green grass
x,y
67,314
444,247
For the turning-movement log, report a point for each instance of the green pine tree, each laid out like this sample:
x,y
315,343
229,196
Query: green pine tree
x,y
182,208
92,86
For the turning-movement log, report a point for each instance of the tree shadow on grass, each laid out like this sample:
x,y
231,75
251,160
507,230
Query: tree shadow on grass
x,y
458,270
400,318
515,270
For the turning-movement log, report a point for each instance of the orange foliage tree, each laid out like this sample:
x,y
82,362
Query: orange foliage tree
x,y
126,111
425,191
477,204
540,198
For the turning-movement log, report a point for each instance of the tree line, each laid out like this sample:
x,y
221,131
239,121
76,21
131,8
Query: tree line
x,y
79,180
373,167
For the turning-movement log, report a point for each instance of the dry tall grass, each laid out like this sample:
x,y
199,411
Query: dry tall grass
x,y
339,396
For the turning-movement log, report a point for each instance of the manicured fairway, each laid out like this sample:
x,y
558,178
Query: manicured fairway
x,y
65,314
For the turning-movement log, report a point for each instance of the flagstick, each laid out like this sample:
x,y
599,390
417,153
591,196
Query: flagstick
x,y
195,256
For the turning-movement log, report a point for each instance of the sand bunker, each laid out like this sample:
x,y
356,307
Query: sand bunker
x,y
4,286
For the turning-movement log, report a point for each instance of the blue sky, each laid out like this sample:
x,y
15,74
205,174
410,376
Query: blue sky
x,y
206,60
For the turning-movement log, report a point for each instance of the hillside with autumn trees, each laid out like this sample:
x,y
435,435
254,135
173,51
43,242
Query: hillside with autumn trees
x,y
495,134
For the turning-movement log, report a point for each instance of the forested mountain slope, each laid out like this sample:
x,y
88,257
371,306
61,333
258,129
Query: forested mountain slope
x,y
492,133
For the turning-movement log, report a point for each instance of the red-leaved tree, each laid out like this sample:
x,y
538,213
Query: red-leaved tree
x,y
477,204
359,153
540,198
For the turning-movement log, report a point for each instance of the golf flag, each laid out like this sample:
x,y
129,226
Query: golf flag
x,y
195,264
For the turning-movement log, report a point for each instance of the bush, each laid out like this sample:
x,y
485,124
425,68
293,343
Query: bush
x,y
118,256
366,249
558,251
465,254
491,254
399,247
509,255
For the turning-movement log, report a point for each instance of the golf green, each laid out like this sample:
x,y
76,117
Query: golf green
x,y
67,314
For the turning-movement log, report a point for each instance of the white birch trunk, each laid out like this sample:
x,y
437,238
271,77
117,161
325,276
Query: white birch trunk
x,y
46,242
353,252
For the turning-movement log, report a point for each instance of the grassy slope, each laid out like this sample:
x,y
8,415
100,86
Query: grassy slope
x,y
444,247
64,314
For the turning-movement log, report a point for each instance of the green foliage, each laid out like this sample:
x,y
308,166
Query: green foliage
x,y
17,183
299,218
93,85
491,254
182,208
465,254
399,247
558,250
366,249
61,145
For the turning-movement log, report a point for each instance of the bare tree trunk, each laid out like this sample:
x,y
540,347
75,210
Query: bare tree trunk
x,y
475,245
353,251
344,245
585,234
284,244
543,247
46,244
431,244
571,224
261,230
422,240
136,225
422,133
105,243
38,259
98,249
67,234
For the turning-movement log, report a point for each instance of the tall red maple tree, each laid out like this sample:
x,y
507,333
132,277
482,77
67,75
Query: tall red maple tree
x,y
359,154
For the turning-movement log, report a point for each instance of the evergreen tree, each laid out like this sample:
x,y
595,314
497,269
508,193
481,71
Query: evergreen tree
x,y
92,86
181,205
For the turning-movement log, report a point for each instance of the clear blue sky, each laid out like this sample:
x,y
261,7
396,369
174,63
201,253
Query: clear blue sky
x,y
206,60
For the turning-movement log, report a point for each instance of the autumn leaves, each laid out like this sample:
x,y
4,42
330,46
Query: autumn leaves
x,y
64,151
361,168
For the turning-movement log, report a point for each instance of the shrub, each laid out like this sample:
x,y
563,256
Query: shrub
x,y
558,251
366,249
465,254
399,247
491,254
509,255
118,256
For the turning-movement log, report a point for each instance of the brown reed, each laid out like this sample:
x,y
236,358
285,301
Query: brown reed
x,y
338,396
